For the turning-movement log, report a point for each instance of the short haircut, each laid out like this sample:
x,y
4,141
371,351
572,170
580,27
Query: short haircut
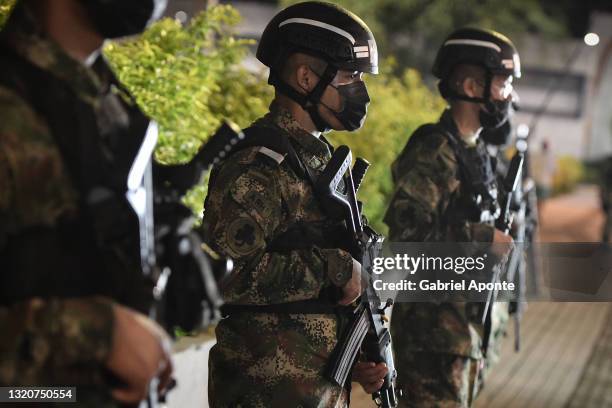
x,y
463,71
297,59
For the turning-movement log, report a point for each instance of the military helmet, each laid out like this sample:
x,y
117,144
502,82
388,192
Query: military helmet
x,y
323,30
486,48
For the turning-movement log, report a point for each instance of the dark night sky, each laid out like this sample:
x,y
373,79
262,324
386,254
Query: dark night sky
x,y
576,12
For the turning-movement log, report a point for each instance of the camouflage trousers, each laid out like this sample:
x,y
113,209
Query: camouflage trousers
x,y
258,364
228,388
438,380
499,326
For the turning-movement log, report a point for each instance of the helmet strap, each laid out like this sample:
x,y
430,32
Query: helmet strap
x,y
310,101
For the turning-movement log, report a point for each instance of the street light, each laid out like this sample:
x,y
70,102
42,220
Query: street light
x,y
591,39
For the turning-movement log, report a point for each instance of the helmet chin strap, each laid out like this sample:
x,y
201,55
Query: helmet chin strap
x,y
309,102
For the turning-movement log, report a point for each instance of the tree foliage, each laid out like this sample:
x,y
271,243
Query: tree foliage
x,y
189,79
5,9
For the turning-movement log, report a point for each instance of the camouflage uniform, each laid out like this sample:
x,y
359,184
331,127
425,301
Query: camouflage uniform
x,y
272,359
58,342
437,346
49,339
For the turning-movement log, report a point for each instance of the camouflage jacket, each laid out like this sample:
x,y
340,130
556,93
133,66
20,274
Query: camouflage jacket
x,y
47,341
265,359
428,187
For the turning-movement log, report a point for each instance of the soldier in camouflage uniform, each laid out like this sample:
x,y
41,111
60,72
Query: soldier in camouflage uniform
x,y
283,296
445,191
58,324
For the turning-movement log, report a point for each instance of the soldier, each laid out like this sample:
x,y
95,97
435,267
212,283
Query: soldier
x,y
68,240
445,191
283,316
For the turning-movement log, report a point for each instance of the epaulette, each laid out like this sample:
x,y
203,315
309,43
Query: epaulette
x,y
432,136
271,144
272,154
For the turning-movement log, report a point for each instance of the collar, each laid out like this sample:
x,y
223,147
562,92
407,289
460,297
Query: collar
x,y
313,151
27,40
447,121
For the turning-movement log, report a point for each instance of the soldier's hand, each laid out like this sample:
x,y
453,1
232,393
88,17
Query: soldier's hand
x,y
371,376
502,244
352,289
140,353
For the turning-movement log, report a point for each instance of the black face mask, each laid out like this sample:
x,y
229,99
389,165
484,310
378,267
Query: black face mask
x,y
355,101
495,114
499,136
120,18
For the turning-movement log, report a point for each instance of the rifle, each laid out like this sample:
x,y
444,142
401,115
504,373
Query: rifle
x,y
517,264
336,188
184,271
511,183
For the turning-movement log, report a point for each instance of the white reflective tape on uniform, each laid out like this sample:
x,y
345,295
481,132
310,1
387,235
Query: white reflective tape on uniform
x,y
363,48
362,55
477,43
277,157
320,24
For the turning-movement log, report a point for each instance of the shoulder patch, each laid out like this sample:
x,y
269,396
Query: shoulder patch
x,y
244,237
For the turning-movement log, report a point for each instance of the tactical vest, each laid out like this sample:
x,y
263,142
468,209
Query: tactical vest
x,y
96,251
477,201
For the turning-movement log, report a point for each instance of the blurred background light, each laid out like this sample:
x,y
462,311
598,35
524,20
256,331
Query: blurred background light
x,y
591,39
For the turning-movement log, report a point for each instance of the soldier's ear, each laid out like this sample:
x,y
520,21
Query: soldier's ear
x,y
470,87
305,78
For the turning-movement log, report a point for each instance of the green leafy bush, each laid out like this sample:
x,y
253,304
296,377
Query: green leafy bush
x,y
189,79
5,9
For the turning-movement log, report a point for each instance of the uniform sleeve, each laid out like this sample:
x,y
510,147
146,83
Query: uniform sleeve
x,y
247,215
34,187
43,340
422,196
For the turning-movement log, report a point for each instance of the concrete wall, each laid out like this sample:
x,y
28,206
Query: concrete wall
x,y
570,135
599,136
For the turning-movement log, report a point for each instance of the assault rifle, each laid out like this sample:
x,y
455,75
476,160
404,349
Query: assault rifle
x,y
337,189
511,183
517,266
